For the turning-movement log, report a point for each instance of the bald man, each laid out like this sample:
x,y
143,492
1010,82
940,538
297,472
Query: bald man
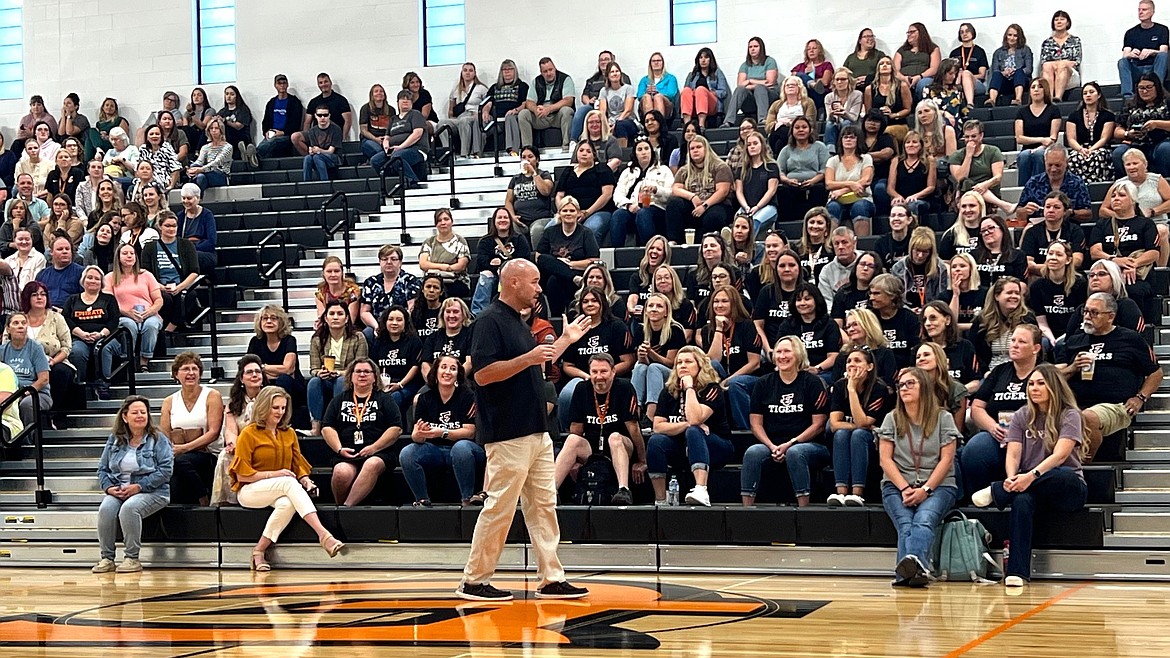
x,y
512,425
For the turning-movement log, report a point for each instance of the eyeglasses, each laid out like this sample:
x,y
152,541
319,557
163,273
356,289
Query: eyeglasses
x,y
363,372
867,265
909,383
1098,274
989,230
1093,315
322,116
265,318
253,371
1146,87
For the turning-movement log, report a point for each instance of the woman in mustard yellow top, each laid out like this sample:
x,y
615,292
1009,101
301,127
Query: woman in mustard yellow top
x,y
269,470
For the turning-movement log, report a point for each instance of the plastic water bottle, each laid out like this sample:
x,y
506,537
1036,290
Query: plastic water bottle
x,y
672,492
1007,550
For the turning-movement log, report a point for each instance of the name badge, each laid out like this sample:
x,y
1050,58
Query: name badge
x,y
358,439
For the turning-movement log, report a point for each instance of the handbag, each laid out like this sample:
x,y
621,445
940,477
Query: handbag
x,y
461,107
849,198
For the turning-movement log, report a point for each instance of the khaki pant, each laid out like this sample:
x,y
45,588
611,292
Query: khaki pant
x,y
523,469
284,494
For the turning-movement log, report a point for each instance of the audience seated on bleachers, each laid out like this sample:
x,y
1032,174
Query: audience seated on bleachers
x,y
1153,198
855,293
503,102
940,327
92,315
446,253
606,334
503,242
453,337
192,417
658,89
1143,50
27,359
391,286
62,221
336,105
277,348
139,298
859,404
895,243
973,63
863,61
463,111
952,396
284,115
923,274
616,109
1060,56
198,225
757,180
591,178
997,255
1144,123
886,93
63,276
549,104
1011,66
529,195
916,61
978,167
213,166
324,140
1037,127
334,346
237,415
1055,178
1058,290
175,264
1129,240
887,299
237,124
705,90
48,328
837,272
757,80
397,351
641,193
360,427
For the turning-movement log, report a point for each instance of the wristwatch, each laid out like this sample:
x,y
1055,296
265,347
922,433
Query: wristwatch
x,y
927,489
446,433
1036,473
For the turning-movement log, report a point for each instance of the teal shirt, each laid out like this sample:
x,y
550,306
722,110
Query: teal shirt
x,y
759,72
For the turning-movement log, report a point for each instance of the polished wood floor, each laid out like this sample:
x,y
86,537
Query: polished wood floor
x,y
364,613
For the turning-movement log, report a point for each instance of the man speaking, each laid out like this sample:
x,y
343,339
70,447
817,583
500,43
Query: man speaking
x,y
509,396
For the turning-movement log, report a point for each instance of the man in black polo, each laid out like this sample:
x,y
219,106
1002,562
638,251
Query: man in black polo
x,y
509,398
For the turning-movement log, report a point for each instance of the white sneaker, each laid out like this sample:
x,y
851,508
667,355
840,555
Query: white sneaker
x,y
982,498
1013,581
699,496
853,500
106,565
836,500
129,565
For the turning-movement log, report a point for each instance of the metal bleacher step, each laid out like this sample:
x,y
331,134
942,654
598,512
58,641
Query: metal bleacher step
x,y
79,482
1151,520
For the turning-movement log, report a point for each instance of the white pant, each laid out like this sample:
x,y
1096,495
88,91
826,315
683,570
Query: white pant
x,y
523,469
284,494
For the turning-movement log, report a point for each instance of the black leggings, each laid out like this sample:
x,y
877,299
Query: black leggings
x,y
794,202
679,219
192,477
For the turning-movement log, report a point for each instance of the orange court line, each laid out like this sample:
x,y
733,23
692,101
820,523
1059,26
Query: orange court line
x,y
998,630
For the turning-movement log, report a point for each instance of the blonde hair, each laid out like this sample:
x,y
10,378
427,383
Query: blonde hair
x,y
703,175
798,349
676,292
1070,269
668,324
959,229
928,406
604,129
566,200
644,273
283,325
874,336
262,408
921,239
975,283
607,287
706,376
994,323
803,93
455,301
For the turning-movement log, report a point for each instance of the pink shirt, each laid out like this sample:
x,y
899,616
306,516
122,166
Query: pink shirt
x,y
131,292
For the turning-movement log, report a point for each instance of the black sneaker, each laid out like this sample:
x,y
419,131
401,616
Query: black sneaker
x,y
561,590
622,497
102,389
911,570
484,592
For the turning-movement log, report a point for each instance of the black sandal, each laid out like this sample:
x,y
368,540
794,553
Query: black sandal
x,y
478,499
422,503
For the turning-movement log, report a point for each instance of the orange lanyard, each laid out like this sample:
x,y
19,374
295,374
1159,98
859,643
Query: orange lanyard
x,y
359,410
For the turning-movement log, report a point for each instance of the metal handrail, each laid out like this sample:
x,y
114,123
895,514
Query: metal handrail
x,y
281,265
43,495
449,159
209,311
128,364
344,225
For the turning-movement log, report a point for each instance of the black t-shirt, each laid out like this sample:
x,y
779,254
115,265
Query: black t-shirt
x,y
288,344
885,365
620,406
677,339
670,408
402,126
424,99
877,404
1049,299
1151,38
773,307
881,170
788,409
450,415
439,343
1135,233
513,407
970,302
580,245
103,313
948,247
755,185
1128,316
587,187
426,322
995,267
846,299
396,357
1036,240
1038,126
1124,360
962,362
335,103
821,337
815,260
529,203
742,341
971,60
890,249
1002,390
611,337
901,333
378,411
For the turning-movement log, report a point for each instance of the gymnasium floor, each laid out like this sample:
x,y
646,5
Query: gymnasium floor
x,y
368,613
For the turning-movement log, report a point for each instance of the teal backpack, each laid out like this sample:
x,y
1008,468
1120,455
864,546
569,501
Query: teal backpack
x,y
961,551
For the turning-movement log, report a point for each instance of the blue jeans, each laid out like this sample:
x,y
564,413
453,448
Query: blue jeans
x,y
1158,156
465,458
564,398
113,513
763,216
753,465
598,222
317,165
578,126
625,129
739,399
921,87
860,209
82,351
485,290
996,81
1059,490
851,452
881,198
802,458
146,333
917,526
1029,162
648,222
404,397
370,148
1127,70
275,147
405,158
649,379
704,452
981,462
832,131
209,179
321,392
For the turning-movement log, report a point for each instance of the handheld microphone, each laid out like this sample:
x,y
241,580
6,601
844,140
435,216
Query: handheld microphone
x,y
548,340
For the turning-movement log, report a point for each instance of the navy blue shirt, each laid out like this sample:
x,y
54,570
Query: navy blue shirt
x,y
61,283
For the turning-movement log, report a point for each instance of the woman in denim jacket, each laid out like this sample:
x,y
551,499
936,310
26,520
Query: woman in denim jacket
x,y
135,472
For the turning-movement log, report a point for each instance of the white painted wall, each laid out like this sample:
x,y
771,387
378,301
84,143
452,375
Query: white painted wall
x,y
136,49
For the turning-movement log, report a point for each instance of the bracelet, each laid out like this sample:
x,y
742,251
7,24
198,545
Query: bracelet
x,y
1142,397
903,489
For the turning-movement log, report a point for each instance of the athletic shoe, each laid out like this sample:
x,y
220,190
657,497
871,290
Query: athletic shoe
x,y
251,156
561,590
913,572
1010,581
836,500
484,592
106,565
129,565
853,500
699,496
622,497
102,389
982,498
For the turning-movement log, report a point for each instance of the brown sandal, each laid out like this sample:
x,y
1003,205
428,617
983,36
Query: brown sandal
x,y
259,563
332,545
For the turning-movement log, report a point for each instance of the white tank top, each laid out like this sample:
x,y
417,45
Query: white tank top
x,y
195,418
